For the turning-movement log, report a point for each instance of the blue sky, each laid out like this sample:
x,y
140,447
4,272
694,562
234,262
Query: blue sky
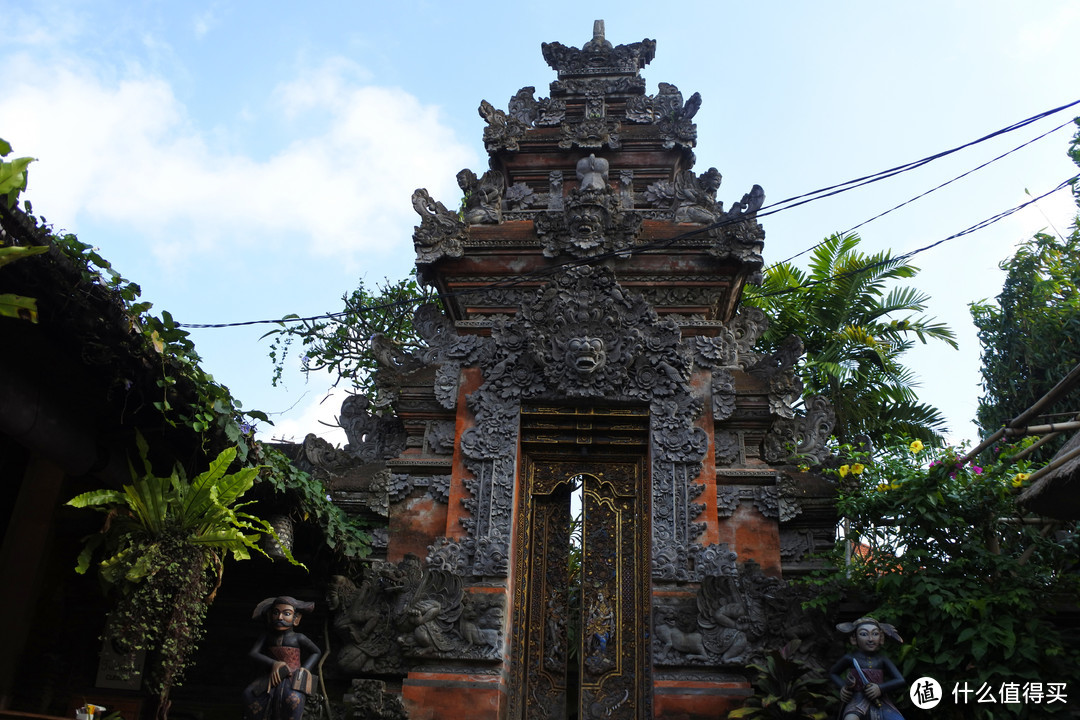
x,y
245,160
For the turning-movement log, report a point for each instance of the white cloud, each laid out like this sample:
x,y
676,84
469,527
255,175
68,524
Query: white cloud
x,y
204,22
125,150
318,416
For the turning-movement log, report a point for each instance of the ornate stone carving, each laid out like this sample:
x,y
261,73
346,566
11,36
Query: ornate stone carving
x,y
440,437
674,118
727,500
483,196
503,132
728,448
795,544
716,352
322,459
738,615
519,196
401,485
556,201
772,502
779,370
598,57
523,106
723,395
439,488
582,333
430,614
803,439
371,701
402,612
371,437
749,325
592,174
398,487
447,379
591,132
695,197
363,619
591,223
529,111
440,233
639,109
712,560
444,344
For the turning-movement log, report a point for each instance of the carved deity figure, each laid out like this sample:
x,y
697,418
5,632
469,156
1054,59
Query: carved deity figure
x,y
281,692
360,617
430,617
695,197
723,618
483,196
866,675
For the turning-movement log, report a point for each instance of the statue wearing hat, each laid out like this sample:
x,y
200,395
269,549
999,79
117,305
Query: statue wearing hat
x,y
865,676
287,657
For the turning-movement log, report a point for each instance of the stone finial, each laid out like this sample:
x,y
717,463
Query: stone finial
x,y
592,173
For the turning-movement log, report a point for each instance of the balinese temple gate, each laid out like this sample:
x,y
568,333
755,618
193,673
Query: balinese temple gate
x,y
590,361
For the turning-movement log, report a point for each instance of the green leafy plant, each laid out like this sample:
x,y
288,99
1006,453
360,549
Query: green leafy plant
x,y
13,175
938,545
165,539
855,330
12,183
345,535
785,688
341,343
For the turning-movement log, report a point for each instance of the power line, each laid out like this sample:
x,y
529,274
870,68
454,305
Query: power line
x,y
908,255
892,172
933,189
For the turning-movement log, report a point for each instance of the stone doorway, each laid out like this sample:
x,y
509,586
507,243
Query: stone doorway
x,y
582,608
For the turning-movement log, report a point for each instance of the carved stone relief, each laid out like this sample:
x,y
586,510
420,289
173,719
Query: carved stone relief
x,y
735,618
440,233
440,437
371,437
503,132
483,196
403,613
727,500
591,223
802,439
723,395
370,700
599,56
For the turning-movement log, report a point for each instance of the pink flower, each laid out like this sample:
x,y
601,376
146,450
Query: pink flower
x,y
977,470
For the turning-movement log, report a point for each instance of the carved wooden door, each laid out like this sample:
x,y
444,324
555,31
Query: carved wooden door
x,y
584,657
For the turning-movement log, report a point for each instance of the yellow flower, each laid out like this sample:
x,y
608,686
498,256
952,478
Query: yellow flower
x,y
883,487
1019,479
857,469
844,470
916,446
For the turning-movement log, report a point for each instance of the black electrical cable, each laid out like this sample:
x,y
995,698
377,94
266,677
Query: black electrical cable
x,y
908,255
924,194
